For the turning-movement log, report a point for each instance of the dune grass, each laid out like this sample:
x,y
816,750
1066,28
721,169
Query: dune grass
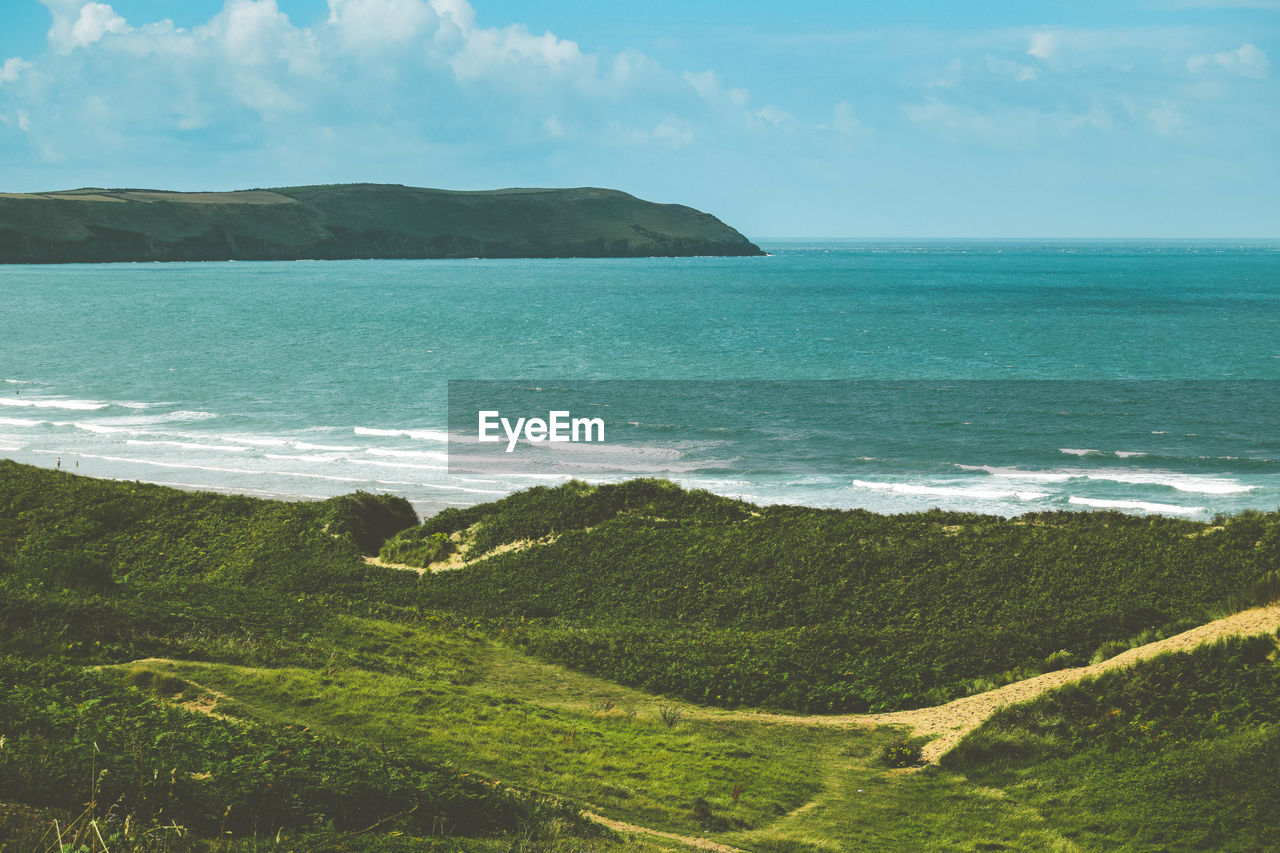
x,y
490,711
1179,752
266,612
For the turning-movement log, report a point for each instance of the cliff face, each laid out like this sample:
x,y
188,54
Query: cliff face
x,y
352,221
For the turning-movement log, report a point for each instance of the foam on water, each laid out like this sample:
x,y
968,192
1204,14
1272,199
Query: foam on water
x,y
975,492
432,455
25,423
181,416
316,458
1173,480
52,403
417,434
1152,477
398,466
188,445
1051,476
1138,506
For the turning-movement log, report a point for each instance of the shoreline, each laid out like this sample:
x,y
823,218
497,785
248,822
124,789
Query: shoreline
x,y
427,509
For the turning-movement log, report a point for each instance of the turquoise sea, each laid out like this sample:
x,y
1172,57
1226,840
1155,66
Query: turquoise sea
x,y
991,376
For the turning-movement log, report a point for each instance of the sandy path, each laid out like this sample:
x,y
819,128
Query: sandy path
x,y
952,721
632,829
456,560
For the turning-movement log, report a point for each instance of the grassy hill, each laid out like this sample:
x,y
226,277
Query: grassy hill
x,y
1140,757
351,221
822,610
234,668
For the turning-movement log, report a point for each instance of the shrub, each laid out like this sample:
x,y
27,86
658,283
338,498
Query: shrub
x,y
1110,649
1061,659
418,550
670,715
901,752
369,520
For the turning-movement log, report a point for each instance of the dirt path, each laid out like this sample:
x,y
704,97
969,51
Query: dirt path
x,y
632,829
456,560
952,721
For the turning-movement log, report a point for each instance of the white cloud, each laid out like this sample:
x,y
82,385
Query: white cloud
x,y
420,73
844,121
673,132
24,121
705,83
953,118
1165,117
258,34
773,115
1011,127
374,24
632,66
80,24
1076,48
513,52
1097,117
951,76
252,32
1044,46
95,21
12,69
709,87
1248,60
1005,67
458,13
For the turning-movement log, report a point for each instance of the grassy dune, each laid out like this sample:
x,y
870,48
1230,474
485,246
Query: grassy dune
x,y
723,602
228,653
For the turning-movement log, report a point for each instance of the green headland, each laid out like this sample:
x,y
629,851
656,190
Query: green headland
x,y
352,221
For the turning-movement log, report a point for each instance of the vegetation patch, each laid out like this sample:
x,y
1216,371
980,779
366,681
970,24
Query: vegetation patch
x,y
73,736
1176,752
258,678
722,602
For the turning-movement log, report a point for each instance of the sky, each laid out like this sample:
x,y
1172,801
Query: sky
x,y
1120,119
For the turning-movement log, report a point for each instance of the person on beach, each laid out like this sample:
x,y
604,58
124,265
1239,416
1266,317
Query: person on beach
x,y
59,463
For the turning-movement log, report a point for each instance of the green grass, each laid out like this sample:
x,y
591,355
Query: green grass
x,y
567,734
1177,752
61,531
73,736
24,829
266,613
863,809
723,602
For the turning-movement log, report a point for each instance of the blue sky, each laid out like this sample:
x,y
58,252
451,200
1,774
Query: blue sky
x,y
1131,118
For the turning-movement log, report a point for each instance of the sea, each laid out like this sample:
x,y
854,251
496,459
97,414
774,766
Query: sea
x,y
988,376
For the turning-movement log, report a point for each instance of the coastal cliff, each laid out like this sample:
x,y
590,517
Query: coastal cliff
x,y
352,221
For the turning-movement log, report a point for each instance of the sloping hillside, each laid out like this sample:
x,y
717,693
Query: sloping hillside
x,y
352,221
